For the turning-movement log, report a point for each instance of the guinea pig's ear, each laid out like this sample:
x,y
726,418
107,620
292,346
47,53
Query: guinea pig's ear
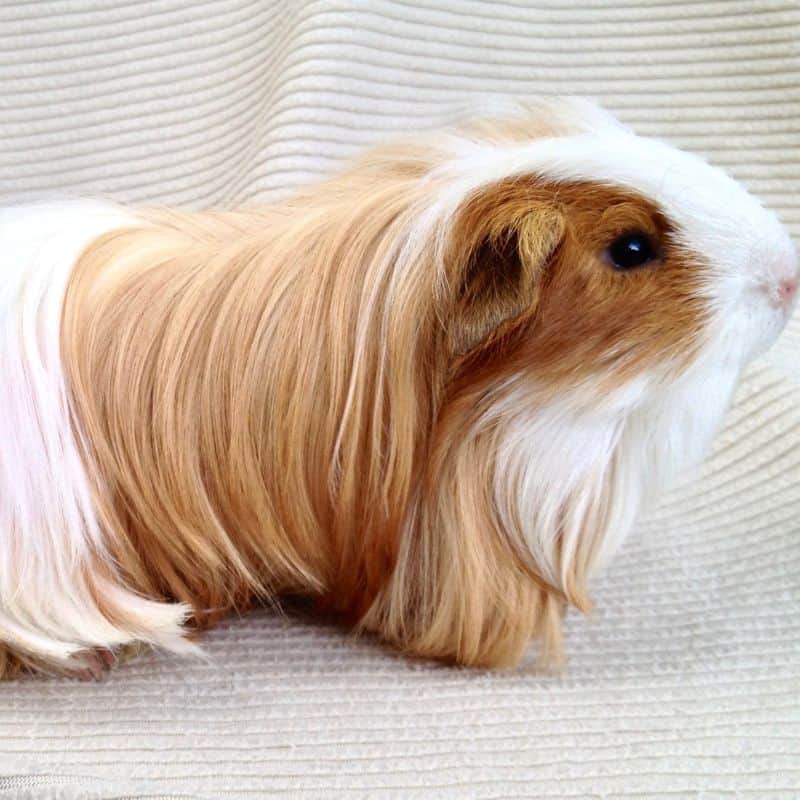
x,y
497,259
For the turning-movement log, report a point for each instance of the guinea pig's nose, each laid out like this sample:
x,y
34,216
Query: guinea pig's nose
x,y
787,289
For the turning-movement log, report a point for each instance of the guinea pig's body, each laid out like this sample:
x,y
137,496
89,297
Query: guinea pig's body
x,y
432,392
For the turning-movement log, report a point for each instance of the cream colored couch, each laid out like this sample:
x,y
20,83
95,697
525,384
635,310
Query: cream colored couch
x,y
684,682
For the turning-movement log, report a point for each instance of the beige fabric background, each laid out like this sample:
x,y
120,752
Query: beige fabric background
x,y
684,683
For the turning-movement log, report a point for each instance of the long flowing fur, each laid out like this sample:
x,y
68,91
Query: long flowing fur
x,y
287,473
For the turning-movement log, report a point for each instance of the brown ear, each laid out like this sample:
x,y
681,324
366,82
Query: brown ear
x,y
499,254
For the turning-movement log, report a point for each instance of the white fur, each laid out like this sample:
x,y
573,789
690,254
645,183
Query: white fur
x,y
50,534
581,474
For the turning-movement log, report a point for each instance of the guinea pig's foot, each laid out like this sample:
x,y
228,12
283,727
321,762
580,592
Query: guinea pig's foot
x,y
11,664
94,665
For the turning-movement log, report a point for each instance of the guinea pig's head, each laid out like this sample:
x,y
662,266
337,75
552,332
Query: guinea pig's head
x,y
600,294
628,257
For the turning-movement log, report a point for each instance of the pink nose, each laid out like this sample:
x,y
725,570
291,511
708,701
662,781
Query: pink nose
x,y
787,289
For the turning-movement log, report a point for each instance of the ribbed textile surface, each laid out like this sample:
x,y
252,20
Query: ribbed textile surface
x,y
685,680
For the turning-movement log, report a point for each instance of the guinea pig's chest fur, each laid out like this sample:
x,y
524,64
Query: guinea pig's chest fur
x,y
419,392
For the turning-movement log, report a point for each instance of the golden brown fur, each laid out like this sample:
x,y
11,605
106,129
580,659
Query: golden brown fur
x,y
289,400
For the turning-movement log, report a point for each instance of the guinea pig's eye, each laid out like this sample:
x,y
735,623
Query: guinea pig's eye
x,y
631,250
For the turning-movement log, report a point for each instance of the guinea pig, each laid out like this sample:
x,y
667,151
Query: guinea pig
x,y
430,394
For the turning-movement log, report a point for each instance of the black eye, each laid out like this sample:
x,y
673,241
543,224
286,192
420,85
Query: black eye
x,y
631,250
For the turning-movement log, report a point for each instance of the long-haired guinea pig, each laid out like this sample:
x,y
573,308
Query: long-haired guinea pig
x,y
429,394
